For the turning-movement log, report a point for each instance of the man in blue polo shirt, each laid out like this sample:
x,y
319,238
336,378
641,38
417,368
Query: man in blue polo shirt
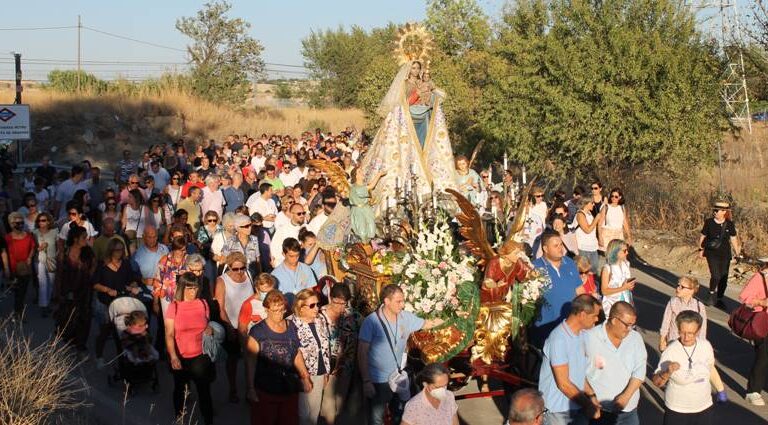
x,y
568,397
565,279
292,275
616,359
381,346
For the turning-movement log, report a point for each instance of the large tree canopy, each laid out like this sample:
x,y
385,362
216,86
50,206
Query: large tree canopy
x,y
565,86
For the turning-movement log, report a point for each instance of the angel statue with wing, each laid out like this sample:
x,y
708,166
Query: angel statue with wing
x,y
412,140
498,319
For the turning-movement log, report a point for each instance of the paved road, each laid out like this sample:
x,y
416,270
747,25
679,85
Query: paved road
x,y
655,286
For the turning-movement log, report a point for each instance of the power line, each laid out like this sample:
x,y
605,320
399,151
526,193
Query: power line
x,y
37,28
122,37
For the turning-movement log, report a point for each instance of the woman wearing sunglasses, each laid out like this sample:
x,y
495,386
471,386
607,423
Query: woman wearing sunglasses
x,y
232,289
315,348
616,223
45,235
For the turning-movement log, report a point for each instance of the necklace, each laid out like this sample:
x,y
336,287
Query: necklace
x,y
690,356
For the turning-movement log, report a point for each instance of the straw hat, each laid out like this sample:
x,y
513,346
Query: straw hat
x,y
721,205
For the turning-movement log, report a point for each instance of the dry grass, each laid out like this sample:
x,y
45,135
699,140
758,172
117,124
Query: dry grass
x,y
36,382
679,205
124,121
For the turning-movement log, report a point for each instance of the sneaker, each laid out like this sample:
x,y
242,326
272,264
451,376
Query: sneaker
x,y
755,399
100,363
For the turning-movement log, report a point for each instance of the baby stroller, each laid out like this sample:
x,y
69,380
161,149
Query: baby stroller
x,y
137,358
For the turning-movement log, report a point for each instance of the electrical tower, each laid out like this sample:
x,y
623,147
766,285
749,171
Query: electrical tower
x,y
721,20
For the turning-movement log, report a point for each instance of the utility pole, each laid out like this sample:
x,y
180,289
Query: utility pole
x,y
79,26
17,60
19,88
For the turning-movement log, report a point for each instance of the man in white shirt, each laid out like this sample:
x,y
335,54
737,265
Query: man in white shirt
x,y
329,203
288,177
262,203
616,362
66,190
258,160
213,199
290,230
160,174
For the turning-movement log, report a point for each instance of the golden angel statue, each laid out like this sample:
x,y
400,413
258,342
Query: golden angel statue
x,y
413,137
496,321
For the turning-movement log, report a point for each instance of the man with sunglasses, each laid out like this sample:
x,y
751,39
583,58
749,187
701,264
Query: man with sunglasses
x,y
616,362
329,204
289,230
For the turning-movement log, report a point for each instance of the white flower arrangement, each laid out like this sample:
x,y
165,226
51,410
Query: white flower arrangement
x,y
431,276
528,295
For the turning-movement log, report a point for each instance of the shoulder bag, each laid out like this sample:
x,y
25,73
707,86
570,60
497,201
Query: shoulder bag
x,y
715,243
748,323
398,381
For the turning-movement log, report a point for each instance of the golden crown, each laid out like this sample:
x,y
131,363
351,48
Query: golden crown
x,y
413,43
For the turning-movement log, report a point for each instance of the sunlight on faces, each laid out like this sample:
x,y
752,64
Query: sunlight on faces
x,y
237,267
291,258
688,332
309,308
620,326
395,303
553,249
588,320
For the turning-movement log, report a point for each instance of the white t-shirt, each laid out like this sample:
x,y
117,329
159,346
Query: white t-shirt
x,y
317,222
586,241
257,163
614,217
688,389
265,207
281,220
281,234
92,233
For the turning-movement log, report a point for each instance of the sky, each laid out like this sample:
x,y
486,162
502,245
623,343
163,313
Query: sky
x,y
278,25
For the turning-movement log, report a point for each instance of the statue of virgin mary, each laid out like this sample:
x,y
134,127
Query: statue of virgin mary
x,y
412,140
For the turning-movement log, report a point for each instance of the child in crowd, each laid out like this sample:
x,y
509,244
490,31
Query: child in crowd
x,y
135,339
588,285
684,299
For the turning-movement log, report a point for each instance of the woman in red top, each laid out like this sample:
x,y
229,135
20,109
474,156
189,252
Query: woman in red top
x,y
588,285
186,320
20,246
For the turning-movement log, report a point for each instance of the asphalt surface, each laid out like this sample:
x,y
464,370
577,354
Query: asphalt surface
x,y
109,404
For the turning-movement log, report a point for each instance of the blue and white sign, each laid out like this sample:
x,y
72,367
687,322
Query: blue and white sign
x,y
14,122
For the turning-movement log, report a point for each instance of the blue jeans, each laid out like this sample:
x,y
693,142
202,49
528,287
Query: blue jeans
x,y
572,417
621,418
377,406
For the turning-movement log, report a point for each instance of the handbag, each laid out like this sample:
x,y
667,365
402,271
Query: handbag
x,y
398,380
714,244
748,323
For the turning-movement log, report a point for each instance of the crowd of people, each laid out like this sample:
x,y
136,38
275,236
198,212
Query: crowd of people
x,y
218,243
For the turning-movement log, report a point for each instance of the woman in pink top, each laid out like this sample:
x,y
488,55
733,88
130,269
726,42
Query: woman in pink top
x,y
754,295
435,404
186,320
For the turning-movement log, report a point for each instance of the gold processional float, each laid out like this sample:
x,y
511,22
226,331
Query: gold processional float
x,y
406,192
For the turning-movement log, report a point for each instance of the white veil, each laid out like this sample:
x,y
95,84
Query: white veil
x,y
395,93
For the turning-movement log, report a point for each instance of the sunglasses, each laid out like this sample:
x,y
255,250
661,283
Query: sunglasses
x,y
211,220
627,325
615,196
485,177
583,273
595,188
538,196
43,220
111,204
237,269
301,213
313,305
245,226
684,287
329,204
133,182
18,223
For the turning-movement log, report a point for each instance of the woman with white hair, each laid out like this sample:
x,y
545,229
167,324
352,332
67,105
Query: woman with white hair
x,y
213,198
245,243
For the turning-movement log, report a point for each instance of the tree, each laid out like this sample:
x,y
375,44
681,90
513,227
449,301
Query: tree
x,y
457,25
224,57
608,84
283,90
339,59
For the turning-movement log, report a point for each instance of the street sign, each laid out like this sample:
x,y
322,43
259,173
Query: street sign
x,y
14,122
